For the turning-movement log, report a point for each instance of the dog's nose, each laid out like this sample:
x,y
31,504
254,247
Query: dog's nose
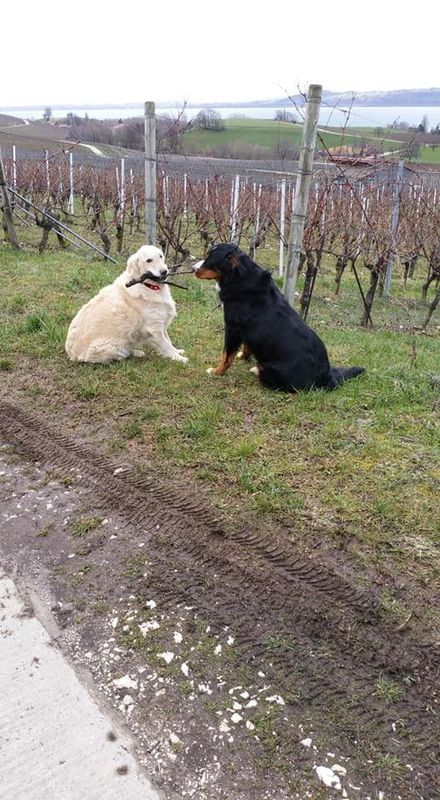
x,y
163,273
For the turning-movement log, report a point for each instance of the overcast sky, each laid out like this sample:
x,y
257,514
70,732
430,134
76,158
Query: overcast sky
x,y
127,52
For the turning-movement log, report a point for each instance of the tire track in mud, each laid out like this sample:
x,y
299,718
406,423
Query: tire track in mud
x,y
323,636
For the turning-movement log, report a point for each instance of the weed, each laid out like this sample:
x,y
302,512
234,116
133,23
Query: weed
x,y
131,637
49,528
388,767
186,689
89,389
80,527
16,303
134,566
35,322
388,690
100,607
115,445
132,430
264,727
274,643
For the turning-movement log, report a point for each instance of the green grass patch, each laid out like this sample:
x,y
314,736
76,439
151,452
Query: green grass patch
x,y
263,137
83,525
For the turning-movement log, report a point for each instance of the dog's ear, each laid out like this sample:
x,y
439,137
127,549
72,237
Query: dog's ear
x,y
133,263
233,257
232,260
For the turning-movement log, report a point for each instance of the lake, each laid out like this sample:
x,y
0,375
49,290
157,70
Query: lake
x,y
359,116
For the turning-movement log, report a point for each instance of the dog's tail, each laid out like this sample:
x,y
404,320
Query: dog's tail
x,y
341,374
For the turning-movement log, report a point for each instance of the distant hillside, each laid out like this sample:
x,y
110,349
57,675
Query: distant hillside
x,y
396,97
6,120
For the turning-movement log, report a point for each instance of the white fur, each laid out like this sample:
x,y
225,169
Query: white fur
x,y
119,321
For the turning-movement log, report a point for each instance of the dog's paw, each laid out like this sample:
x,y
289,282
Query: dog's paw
x,y
182,359
244,354
138,354
179,350
210,370
255,371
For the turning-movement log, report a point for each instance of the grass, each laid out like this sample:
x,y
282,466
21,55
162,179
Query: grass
x,y
46,531
388,690
262,136
83,525
429,154
355,468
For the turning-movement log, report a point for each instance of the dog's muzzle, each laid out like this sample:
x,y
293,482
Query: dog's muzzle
x,y
150,277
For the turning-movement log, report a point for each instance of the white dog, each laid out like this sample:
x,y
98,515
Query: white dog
x,y
119,321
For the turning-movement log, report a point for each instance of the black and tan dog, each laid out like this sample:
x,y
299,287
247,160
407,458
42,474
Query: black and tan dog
x,y
290,356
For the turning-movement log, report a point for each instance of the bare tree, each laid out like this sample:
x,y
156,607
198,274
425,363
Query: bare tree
x,y
209,120
285,116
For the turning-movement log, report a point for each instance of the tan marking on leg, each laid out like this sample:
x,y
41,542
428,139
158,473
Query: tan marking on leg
x,y
245,353
225,363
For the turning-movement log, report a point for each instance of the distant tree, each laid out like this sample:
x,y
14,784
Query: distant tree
x,y
169,132
72,119
209,120
130,134
412,150
47,114
423,127
95,131
285,151
284,116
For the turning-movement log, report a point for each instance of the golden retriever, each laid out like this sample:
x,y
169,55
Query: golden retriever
x,y
120,320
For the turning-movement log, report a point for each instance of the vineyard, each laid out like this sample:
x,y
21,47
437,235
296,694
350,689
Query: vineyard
x,y
368,221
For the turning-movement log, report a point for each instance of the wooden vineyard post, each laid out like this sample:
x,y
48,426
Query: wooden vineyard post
x,y
394,224
7,208
150,173
302,191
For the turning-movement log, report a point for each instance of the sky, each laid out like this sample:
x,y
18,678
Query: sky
x,y
230,51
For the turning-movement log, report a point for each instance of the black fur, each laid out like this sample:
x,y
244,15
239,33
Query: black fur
x,y
290,356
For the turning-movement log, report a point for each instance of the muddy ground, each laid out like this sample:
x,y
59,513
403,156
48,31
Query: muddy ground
x,y
244,668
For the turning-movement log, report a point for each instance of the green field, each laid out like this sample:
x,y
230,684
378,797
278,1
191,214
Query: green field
x,y
429,155
268,137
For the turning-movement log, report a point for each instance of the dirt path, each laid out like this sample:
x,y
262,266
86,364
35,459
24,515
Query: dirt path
x,y
245,669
